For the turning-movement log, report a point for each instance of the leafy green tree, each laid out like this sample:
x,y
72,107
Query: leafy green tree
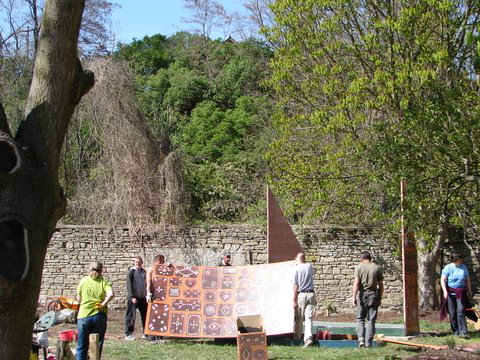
x,y
208,103
375,92
147,55
187,89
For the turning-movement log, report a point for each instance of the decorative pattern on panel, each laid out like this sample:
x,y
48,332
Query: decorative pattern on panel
x,y
252,346
201,301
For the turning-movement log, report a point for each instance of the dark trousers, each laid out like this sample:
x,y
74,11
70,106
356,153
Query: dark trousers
x,y
130,315
456,312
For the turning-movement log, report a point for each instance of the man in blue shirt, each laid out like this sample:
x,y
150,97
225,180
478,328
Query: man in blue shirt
x,y
456,287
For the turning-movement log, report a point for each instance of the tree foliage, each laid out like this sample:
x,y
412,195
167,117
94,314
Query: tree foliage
x,y
372,93
208,102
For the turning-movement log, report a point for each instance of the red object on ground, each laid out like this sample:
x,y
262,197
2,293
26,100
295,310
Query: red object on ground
x,y
323,335
67,335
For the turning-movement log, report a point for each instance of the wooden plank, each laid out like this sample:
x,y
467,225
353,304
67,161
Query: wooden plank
x,y
94,349
63,351
282,244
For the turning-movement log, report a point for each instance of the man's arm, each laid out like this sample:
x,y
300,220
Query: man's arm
x,y
149,284
129,284
469,286
295,295
356,285
443,283
380,290
79,292
108,297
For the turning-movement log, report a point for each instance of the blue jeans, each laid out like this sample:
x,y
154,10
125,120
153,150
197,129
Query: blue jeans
x,y
456,312
95,324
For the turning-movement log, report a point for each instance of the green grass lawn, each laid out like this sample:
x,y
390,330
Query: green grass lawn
x,y
120,350
184,349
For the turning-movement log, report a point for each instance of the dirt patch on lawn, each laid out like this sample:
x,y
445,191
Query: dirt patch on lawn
x,y
444,355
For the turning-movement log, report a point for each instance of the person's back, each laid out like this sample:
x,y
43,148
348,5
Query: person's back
x,y
369,274
94,292
366,297
304,300
304,277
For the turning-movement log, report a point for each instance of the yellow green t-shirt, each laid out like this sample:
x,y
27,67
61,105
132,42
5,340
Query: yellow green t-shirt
x,y
92,292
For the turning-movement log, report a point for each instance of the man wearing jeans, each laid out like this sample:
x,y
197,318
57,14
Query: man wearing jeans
x,y
303,299
367,296
94,292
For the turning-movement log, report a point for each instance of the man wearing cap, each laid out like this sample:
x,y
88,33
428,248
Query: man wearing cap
x,y
303,299
94,292
367,296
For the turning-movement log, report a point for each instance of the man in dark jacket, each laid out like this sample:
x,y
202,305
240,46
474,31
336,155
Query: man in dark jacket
x,y
136,288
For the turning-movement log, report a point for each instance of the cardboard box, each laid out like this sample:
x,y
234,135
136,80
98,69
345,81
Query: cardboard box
x,y
251,338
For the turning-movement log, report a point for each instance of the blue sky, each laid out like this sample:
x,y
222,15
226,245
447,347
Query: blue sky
x,y
137,18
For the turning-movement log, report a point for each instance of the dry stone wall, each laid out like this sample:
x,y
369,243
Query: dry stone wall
x,y
333,251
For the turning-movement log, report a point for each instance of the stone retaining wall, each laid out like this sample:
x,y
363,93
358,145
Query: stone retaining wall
x,y
333,251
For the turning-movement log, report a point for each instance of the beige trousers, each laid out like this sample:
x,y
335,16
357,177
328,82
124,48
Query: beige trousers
x,y
304,316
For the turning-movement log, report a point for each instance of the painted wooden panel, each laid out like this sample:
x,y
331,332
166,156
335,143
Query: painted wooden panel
x,y
204,301
252,346
282,244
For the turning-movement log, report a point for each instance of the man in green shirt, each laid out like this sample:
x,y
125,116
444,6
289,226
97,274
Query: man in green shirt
x,y
94,292
367,296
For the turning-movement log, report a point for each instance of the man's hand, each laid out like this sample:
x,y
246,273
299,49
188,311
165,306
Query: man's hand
x,y
445,294
295,304
354,301
149,297
134,300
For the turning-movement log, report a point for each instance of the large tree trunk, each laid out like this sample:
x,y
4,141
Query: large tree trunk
x,y
428,277
31,200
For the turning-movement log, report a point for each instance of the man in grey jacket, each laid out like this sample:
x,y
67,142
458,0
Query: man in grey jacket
x,y
136,289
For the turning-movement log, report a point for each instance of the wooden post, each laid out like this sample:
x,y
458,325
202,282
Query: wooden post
x,y
94,349
410,274
63,351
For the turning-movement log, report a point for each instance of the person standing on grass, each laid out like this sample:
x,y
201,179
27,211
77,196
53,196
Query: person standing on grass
x,y
456,288
367,297
94,292
304,301
157,260
136,297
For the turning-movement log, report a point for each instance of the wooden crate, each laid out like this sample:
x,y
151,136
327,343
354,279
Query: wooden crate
x,y
251,339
